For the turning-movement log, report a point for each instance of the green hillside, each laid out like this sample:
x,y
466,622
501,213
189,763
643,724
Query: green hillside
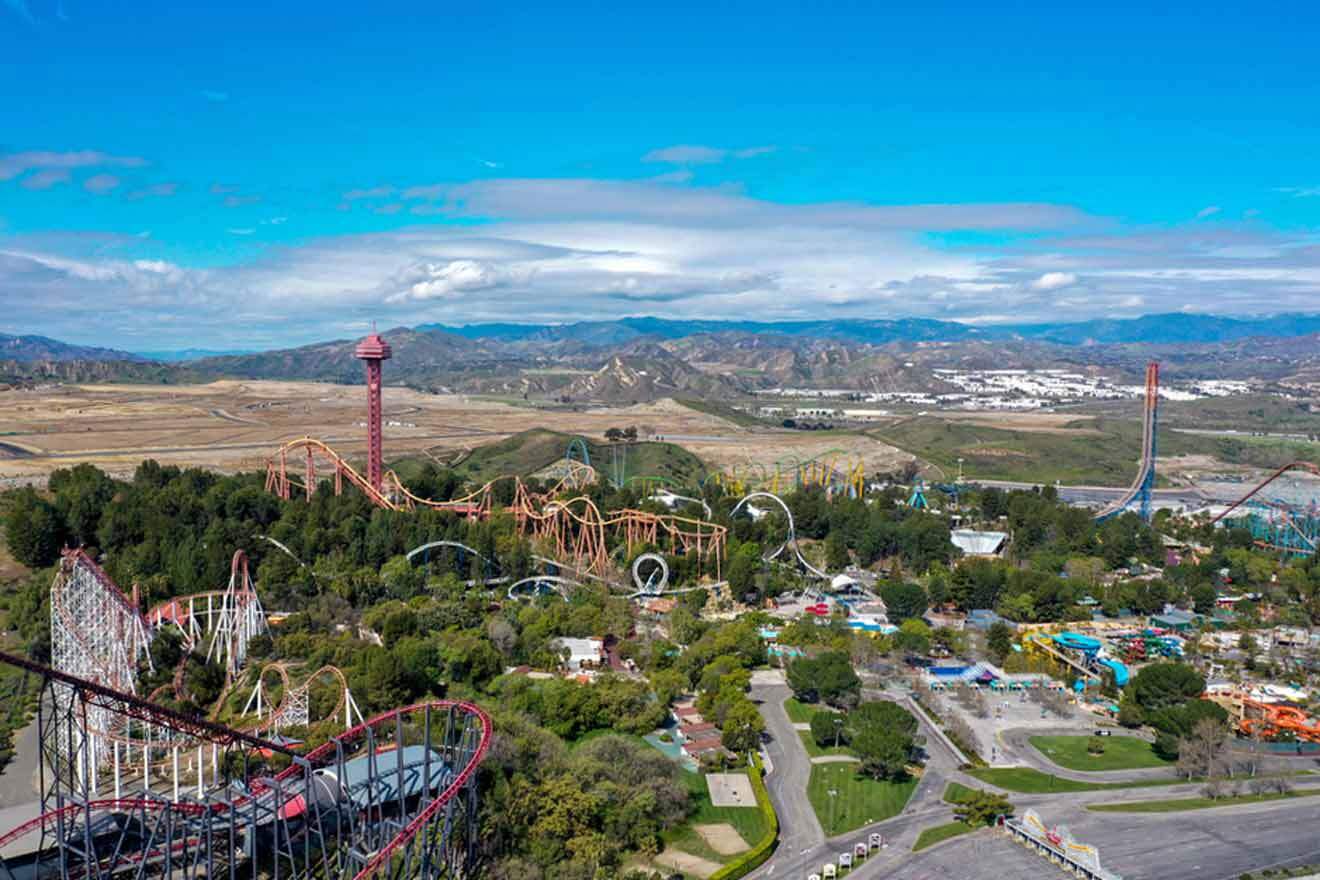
x,y
534,450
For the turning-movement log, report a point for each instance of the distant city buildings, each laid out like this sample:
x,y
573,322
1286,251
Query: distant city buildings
x,y
987,390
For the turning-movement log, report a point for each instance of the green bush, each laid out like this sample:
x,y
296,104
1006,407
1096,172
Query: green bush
x,y
757,855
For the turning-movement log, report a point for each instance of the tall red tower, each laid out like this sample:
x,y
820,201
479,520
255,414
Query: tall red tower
x,y
374,351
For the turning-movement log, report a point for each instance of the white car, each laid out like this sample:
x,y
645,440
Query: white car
x,y
845,860
876,840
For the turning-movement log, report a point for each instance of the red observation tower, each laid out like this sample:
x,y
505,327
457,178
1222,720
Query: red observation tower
x,y
374,350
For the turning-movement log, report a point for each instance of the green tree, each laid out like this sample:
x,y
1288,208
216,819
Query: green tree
x,y
884,752
827,729
1161,685
904,600
999,641
743,727
836,552
34,530
982,808
828,677
883,714
913,635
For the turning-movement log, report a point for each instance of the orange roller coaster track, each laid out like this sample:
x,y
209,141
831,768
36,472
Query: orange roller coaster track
x,y
575,528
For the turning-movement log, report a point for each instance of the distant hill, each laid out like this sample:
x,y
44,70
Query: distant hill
x,y
636,360
43,348
1172,328
190,354
535,450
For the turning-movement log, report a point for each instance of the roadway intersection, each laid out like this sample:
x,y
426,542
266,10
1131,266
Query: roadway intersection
x,y
1215,844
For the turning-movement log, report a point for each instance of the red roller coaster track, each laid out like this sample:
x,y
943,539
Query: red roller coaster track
x,y
1263,484
289,787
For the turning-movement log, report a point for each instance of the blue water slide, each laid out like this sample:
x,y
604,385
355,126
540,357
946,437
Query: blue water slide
x,y
1120,670
1078,642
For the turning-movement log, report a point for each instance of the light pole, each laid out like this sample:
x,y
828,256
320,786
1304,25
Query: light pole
x,y
833,792
960,469
838,726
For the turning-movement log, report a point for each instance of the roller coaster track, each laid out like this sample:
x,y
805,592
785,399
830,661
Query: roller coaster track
x,y
575,527
387,798
1306,466
790,540
294,709
1142,486
393,494
1299,541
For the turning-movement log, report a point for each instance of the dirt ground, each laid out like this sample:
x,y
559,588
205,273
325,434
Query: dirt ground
x,y
689,864
723,838
236,425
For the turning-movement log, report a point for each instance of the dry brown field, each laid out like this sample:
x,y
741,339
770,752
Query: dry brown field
x,y
236,425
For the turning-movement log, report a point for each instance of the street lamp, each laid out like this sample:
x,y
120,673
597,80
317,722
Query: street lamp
x,y
833,793
838,726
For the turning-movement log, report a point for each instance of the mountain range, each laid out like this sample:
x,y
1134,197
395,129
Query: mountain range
x,y
639,359
1175,327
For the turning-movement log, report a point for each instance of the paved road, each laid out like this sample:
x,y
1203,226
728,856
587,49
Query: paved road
x,y
803,847
1216,844
18,782
799,830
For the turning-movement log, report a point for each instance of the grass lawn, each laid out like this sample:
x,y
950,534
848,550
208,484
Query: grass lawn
x,y
860,801
815,751
1177,805
956,793
749,821
1121,753
1025,780
802,713
937,833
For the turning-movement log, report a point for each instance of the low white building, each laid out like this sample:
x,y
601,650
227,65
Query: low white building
x,y
582,653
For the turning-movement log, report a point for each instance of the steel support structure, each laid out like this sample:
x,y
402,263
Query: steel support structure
x,y
96,634
393,797
1144,485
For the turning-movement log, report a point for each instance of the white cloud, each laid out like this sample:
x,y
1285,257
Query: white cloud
x,y
442,280
686,154
553,250
375,192
1208,211
1299,192
696,154
45,179
101,183
154,191
14,164
1054,281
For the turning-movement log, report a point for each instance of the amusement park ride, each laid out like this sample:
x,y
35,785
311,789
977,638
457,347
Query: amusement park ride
x,y
1279,523
1144,484
392,796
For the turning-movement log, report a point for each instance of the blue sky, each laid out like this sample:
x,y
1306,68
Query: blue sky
x,y
250,174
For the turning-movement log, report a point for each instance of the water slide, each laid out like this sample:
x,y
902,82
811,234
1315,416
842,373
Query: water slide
x,y
1091,648
1119,669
